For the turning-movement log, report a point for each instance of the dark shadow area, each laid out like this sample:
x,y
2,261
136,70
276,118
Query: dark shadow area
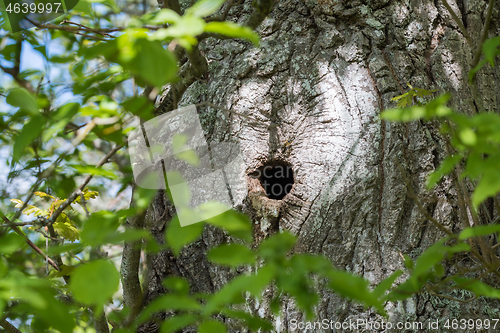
x,y
276,178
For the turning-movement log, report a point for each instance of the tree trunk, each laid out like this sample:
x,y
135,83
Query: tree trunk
x,y
323,73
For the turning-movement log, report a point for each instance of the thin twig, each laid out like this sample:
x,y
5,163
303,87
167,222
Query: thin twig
x,y
419,204
9,327
459,22
30,243
76,193
19,224
84,204
484,34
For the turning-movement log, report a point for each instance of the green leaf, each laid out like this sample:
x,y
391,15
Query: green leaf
x,y
254,323
177,285
29,133
479,231
435,254
212,326
101,228
277,246
10,243
477,287
232,255
94,283
177,237
445,168
179,192
168,302
66,228
468,136
403,115
205,8
234,30
30,209
488,186
146,59
153,63
177,323
231,293
354,287
435,108
222,216
490,49
189,156
21,98
165,15
386,283
139,106
84,169
309,263
98,228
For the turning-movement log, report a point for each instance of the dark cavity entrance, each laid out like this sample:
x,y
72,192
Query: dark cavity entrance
x,y
276,178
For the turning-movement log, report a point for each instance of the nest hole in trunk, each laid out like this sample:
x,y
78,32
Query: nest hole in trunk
x,y
276,177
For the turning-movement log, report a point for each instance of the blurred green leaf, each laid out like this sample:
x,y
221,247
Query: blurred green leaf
x,y
29,132
10,243
254,323
477,287
177,237
491,50
222,216
479,231
445,168
232,255
488,186
212,326
386,284
168,302
94,283
21,98
277,247
177,323
90,169
233,30
177,285
354,287
205,8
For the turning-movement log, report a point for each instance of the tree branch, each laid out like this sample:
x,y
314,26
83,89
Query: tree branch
x,y
76,193
484,34
459,22
30,243
262,9
132,291
8,326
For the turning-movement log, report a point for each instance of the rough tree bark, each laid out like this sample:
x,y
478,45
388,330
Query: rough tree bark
x,y
323,73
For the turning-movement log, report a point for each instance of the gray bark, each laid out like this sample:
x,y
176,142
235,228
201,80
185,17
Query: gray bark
x,y
323,73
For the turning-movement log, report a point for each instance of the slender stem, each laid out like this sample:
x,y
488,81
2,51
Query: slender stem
x,y
30,243
484,34
8,326
76,193
459,22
